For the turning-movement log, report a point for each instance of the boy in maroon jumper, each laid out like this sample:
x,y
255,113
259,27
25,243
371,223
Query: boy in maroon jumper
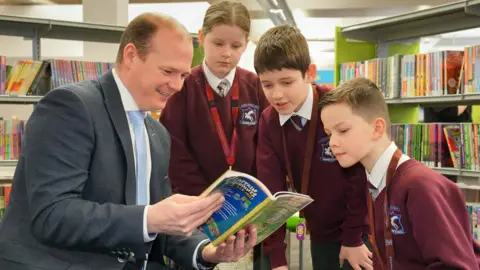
x,y
426,213
337,218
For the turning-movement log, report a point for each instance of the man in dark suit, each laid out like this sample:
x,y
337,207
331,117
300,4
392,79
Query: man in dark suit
x,y
91,189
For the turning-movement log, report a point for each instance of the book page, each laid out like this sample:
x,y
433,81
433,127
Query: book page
x,y
272,217
245,263
242,195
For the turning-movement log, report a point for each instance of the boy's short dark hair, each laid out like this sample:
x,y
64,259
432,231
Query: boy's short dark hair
x,y
362,96
281,47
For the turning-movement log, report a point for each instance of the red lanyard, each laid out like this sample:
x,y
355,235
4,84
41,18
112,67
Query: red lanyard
x,y
389,251
228,149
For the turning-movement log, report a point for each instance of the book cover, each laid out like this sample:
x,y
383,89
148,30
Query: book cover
x,y
249,202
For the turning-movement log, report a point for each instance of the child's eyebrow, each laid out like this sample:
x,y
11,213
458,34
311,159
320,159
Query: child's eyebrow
x,y
338,124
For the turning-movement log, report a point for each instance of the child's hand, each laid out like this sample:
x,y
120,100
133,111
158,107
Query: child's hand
x,y
357,256
281,268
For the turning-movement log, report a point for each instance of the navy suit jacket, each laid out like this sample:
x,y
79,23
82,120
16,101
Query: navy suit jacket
x,y
73,199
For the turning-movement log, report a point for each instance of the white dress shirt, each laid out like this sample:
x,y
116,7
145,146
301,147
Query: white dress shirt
x,y
305,111
129,104
379,171
214,81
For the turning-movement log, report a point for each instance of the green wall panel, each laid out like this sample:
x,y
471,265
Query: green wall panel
x,y
403,48
350,51
197,55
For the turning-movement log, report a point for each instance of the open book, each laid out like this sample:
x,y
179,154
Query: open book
x,y
248,201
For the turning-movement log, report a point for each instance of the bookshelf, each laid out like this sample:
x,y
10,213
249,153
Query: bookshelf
x,y
400,35
450,100
4,99
8,163
446,18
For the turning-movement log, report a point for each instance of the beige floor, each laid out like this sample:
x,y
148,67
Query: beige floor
x,y
294,256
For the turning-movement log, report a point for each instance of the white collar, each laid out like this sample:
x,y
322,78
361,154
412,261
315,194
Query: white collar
x,y
213,80
305,111
381,166
128,102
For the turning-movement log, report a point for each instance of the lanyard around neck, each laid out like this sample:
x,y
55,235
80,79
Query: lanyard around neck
x,y
387,232
308,151
229,150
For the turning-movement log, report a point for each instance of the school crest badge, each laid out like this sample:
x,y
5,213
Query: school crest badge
x,y
326,154
248,114
396,220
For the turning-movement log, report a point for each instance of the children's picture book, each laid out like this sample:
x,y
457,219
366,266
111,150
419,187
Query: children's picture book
x,y
249,202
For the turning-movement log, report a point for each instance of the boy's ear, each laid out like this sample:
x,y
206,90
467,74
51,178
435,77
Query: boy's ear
x,y
379,128
311,73
201,38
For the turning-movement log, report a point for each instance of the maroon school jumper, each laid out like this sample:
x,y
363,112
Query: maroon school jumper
x,y
197,158
339,212
430,222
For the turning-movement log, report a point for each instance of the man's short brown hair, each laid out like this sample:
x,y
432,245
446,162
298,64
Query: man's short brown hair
x,y
282,47
140,31
362,96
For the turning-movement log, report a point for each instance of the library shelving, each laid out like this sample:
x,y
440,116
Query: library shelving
x,y
8,163
398,35
36,29
447,100
23,99
387,51
445,18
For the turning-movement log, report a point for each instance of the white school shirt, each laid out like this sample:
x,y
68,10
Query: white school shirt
x,y
379,171
305,111
214,81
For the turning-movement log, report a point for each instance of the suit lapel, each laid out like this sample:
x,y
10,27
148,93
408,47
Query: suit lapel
x,y
113,103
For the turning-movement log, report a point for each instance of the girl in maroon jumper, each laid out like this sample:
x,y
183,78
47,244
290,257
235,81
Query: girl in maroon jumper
x,y
217,108
418,218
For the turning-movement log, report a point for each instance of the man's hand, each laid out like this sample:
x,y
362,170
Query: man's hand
x,y
233,249
281,268
180,214
357,257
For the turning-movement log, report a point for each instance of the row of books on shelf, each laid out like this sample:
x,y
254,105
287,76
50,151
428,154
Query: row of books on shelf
x,y
11,132
474,211
417,75
26,77
4,198
440,145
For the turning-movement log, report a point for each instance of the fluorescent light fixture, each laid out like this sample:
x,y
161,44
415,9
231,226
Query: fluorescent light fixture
x,y
278,12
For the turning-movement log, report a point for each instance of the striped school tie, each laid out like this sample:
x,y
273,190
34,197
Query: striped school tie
x,y
222,87
297,122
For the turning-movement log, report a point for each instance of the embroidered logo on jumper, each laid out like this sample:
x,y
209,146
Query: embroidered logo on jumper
x,y
396,220
326,154
248,114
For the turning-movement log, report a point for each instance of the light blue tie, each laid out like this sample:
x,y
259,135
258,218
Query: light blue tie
x,y
138,121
